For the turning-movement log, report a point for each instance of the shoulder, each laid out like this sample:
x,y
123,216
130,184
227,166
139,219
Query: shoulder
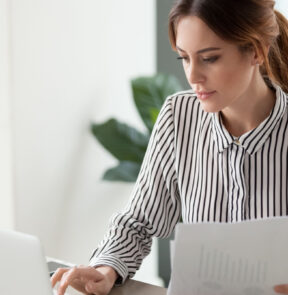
x,y
182,94
183,101
185,96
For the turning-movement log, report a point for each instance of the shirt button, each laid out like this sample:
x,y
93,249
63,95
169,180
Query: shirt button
x,y
237,141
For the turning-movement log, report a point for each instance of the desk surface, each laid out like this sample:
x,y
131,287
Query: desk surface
x,y
132,287
138,288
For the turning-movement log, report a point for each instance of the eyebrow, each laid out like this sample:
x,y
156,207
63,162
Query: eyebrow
x,y
201,50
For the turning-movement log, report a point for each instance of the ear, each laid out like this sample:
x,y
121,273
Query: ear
x,y
258,55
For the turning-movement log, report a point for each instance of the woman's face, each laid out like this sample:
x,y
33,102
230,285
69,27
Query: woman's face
x,y
213,66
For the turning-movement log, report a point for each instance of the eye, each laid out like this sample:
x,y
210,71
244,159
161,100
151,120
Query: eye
x,y
210,59
183,58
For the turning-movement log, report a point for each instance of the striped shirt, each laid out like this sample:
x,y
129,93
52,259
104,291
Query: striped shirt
x,y
196,170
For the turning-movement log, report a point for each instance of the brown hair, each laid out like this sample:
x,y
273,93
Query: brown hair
x,y
247,23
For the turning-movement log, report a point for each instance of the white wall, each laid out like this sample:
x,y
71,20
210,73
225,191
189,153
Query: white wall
x,y
72,62
6,208
282,5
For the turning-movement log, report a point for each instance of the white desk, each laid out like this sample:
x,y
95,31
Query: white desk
x,y
132,287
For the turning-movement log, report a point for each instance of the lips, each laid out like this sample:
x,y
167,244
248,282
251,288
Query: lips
x,y
204,94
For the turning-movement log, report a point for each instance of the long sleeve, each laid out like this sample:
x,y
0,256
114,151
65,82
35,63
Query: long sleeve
x,y
154,207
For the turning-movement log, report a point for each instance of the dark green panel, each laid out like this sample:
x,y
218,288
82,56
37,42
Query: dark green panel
x,y
166,63
166,57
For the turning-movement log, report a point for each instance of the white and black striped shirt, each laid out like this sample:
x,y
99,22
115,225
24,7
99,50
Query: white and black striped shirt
x,y
195,169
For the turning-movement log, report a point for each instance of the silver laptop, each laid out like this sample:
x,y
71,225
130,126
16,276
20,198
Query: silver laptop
x,y
23,267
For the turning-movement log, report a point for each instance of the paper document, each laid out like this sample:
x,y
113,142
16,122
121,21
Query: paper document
x,y
246,258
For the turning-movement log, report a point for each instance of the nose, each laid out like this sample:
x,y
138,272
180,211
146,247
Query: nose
x,y
194,75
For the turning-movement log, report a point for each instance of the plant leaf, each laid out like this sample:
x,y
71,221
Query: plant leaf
x,y
154,114
149,93
124,171
124,142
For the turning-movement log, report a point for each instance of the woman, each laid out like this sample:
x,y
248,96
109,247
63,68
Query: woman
x,y
219,151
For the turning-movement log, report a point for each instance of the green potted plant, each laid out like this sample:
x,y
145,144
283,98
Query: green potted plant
x,y
128,145
124,142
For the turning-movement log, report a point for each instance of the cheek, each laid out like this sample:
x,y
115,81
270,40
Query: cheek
x,y
231,77
226,73
186,70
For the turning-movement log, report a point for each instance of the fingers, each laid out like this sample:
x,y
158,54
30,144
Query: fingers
x,y
283,289
66,280
74,276
58,275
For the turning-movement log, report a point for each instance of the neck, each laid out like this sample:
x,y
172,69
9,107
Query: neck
x,y
252,108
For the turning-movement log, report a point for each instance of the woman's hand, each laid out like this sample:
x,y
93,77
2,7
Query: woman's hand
x,y
85,279
283,289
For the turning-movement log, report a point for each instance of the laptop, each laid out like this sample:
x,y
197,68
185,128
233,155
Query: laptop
x,y
23,266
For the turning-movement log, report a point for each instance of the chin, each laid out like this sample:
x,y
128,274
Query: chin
x,y
210,108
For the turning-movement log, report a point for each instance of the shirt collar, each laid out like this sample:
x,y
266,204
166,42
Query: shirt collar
x,y
255,138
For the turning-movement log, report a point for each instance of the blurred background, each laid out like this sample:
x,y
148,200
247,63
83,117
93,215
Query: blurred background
x,y
65,64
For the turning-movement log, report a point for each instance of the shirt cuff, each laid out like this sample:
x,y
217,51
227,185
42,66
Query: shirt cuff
x,y
115,263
